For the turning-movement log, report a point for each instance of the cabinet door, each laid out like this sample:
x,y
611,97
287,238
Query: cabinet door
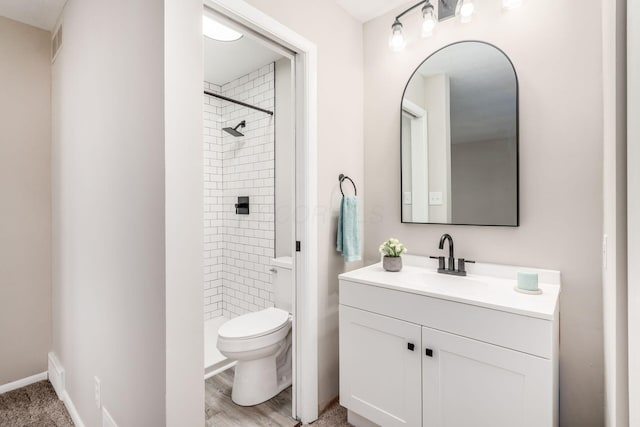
x,y
472,383
380,368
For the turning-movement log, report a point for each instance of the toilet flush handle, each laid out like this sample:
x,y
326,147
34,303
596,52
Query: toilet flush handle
x,y
273,270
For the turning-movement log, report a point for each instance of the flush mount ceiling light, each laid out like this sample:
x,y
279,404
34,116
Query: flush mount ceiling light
x,y
216,31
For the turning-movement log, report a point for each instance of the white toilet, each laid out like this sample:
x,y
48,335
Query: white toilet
x,y
261,343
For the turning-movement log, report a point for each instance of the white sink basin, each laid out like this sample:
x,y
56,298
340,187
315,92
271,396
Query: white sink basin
x,y
435,279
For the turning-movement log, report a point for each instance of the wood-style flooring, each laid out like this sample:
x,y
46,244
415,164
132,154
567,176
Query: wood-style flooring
x,y
220,411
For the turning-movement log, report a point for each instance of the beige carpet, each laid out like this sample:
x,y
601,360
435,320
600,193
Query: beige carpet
x,y
35,405
334,416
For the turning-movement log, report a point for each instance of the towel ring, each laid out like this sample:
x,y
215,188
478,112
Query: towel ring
x,y
341,178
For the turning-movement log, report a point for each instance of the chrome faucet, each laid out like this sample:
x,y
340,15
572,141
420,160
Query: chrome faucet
x,y
451,268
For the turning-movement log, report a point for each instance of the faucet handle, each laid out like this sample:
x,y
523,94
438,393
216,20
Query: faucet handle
x,y
461,264
440,261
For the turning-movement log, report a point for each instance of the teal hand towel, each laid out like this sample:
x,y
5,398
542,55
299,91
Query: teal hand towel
x,y
349,230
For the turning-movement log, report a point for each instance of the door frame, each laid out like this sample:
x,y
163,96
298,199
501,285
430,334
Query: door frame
x,y
419,134
305,304
633,208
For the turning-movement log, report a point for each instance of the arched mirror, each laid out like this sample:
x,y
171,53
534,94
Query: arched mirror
x,y
459,138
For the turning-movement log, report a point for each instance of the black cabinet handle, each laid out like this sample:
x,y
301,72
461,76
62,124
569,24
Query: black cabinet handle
x,y
428,352
411,346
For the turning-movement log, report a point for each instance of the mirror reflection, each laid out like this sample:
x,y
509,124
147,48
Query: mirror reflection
x,y
459,138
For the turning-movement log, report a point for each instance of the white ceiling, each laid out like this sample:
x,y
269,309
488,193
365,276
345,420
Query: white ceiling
x,y
39,13
365,10
226,61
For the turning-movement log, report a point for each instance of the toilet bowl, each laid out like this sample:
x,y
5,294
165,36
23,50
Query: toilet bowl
x,y
261,343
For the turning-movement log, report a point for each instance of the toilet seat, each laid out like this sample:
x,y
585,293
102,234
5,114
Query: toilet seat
x,y
254,325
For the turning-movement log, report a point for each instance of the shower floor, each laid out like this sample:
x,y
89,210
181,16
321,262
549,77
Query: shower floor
x,y
214,361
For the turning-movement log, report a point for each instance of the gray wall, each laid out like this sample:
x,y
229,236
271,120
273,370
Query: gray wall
x,y
108,189
559,66
25,228
484,182
340,149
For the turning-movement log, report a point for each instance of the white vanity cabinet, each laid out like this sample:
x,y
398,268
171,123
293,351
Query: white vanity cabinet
x,y
380,367
419,349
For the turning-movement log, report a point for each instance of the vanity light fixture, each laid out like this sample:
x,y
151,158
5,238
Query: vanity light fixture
x,y
428,20
511,4
216,31
446,9
396,40
467,8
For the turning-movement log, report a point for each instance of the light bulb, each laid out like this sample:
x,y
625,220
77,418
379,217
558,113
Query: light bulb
x,y
396,41
428,22
466,11
511,4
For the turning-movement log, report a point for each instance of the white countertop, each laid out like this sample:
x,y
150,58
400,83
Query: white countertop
x,y
493,288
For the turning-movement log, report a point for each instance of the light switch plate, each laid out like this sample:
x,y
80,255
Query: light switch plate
x,y
435,198
407,197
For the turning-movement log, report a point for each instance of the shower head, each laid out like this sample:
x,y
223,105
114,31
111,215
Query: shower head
x,y
234,131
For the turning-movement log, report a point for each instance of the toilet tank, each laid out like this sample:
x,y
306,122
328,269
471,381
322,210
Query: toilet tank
x,y
282,280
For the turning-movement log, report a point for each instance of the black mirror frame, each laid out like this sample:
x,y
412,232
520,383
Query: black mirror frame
x,y
515,74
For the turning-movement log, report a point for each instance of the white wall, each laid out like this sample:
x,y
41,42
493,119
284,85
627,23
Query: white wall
x,y
556,50
25,228
108,189
340,149
183,76
438,107
285,162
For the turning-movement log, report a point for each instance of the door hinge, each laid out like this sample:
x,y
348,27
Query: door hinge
x,y
297,245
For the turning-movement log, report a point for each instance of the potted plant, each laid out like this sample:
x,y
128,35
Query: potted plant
x,y
392,250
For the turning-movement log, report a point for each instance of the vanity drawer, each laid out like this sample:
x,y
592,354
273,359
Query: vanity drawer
x,y
522,333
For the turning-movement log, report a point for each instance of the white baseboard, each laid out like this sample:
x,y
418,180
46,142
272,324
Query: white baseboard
x,y
73,412
107,419
219,368
56,374
22,382
57,379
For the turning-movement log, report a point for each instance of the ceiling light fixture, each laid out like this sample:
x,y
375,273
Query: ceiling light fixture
x,y
216,31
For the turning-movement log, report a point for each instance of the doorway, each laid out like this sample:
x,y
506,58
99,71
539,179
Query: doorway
x,y
292,198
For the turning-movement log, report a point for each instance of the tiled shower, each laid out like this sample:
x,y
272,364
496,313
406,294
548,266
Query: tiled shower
x,y
238,248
